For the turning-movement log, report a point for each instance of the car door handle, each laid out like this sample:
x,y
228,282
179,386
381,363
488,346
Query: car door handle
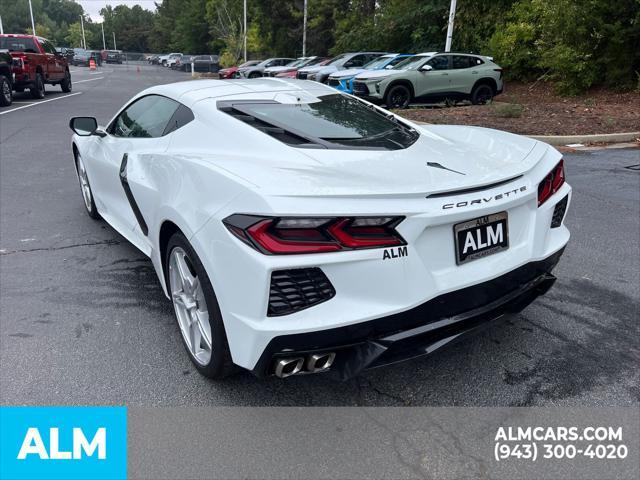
x,y
444,74
475,72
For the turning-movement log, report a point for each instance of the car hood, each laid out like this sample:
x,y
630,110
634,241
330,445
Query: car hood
x,y
372,74
348,73
279,69
312,69
460,157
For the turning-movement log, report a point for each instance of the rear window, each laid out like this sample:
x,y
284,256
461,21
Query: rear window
x,y
335,121
18,44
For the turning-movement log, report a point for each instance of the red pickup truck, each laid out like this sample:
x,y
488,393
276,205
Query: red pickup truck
x,y
35,63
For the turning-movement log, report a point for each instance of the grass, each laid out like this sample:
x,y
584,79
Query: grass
x,y
506,110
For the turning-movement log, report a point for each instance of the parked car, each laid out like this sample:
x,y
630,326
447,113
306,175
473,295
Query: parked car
x,y
6,78
296,72
153,59
297,230
171,61
255,71
182,63
292,66
80,57
343,79
164,59
113,56
35,62
66,52
432,77
205,63
342,62
232,72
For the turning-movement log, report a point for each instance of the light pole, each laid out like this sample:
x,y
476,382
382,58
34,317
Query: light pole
x,y
33,25
84,40
104,44
115,47
304,30
245,30
452,16
1,29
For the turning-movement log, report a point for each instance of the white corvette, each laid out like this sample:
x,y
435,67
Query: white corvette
x,y
299,230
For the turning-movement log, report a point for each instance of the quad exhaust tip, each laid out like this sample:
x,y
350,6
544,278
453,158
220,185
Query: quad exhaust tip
x,y
313,363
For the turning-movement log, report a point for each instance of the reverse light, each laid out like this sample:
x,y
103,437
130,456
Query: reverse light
x,y
295,235
551,183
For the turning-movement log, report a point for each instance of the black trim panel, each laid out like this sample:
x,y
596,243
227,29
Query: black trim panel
x,y
420,330
130,198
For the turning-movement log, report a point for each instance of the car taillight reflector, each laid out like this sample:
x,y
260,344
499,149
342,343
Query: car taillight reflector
x,y
296,235
551,183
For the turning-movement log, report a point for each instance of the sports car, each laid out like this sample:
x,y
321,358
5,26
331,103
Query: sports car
x,y
299,230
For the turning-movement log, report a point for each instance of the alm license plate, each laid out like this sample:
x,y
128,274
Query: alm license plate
x,y
481,236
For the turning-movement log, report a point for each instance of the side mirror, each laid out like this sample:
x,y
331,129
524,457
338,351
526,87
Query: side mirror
x,y
83,126
426,68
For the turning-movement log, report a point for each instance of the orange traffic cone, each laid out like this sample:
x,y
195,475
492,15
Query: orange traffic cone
x,y
92,64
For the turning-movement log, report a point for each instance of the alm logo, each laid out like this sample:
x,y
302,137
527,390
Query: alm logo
x,y
70,443
33,445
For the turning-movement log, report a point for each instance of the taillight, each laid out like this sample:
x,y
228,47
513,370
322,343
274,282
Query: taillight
x,y
551,183
294,235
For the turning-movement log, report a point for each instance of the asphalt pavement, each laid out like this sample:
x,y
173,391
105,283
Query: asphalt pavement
x,y
83,319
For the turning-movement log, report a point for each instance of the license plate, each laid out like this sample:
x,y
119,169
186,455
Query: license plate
x,y
481,236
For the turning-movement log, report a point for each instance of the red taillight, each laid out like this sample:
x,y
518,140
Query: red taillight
x,y
551,183
291,235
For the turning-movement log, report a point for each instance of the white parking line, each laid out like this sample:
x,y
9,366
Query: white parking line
x,y
88,80
41,102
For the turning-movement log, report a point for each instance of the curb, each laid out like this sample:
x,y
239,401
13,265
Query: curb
x,y
602,138
562,140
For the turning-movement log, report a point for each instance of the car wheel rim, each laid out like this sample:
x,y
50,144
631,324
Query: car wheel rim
x,y
190,306
84,184
398,99
6,91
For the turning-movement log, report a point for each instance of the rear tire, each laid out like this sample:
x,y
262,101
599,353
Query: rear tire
x,y
6,94
200,325
38,91
482,94
398,96
65,84
255,75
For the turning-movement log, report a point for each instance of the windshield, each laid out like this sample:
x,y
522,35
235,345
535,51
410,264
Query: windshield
x,y
335,119
338,59
250,63
377,63
18,44
411,63
296,63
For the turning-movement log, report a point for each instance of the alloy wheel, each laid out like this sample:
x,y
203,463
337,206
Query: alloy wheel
x,y
6,91
84,184
190,306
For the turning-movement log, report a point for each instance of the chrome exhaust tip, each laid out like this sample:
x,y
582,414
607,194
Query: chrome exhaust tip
x,y
320,361
285,367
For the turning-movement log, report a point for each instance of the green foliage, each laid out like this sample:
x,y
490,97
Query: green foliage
x,y
506,110
73,38
574,43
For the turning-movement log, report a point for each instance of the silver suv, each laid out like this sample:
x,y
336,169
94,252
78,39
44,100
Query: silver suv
x,y
432,76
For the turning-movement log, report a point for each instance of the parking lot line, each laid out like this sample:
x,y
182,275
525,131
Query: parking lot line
x,y
41,102
88,80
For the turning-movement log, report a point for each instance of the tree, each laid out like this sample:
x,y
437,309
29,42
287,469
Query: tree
x,y
74,36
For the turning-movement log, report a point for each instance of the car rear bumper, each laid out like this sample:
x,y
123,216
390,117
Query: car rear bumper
x,y
418,331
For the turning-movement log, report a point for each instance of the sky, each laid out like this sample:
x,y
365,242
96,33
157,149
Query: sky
x,y
93,7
